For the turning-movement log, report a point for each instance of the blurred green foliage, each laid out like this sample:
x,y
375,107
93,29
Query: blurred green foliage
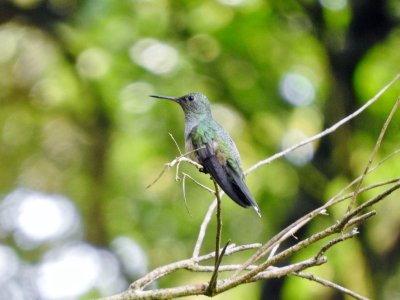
x,y
75,119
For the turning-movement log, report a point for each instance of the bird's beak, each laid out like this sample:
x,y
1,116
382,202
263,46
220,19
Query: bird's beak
x,y
175,99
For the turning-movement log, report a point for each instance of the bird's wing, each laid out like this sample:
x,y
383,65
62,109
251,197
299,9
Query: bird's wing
x,y
224,168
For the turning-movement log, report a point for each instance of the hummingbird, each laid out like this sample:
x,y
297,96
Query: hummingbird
x,y
212,147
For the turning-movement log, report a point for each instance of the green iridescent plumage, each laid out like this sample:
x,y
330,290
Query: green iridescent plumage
x,y
212,147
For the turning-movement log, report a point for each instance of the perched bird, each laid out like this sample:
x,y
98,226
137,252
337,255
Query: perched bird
x,y
213,148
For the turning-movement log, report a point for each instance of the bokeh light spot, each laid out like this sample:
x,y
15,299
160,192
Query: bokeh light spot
x,y
93,63
134,97
132,256
232,2
27,3
334,4
217,16
34,56
302,155
48,92
32,221
297,89
228,118
17,128
68,272
35,217
8,45
8,263
204,47
154,56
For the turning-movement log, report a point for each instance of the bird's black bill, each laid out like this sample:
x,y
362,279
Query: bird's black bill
x,y
165,97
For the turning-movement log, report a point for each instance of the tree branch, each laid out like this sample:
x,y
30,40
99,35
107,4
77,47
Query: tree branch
x,y
374,152
330,284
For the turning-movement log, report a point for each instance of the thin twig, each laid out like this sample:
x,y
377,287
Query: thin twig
x,y
360,219
185,175
334,199
198,183
330,284
275,272
368,203
232,249
221,268
339,239
203,228
177,161
166,167
374,152
184,194
176,143
204,225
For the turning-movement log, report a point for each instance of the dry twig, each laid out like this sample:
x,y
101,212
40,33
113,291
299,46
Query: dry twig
x,y
374,152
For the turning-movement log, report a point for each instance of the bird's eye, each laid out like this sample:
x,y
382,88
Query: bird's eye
x,y
190,98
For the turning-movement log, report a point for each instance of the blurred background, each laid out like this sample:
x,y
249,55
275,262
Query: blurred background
x,y
80,139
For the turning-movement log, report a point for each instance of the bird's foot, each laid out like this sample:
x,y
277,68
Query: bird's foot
x,y
202,170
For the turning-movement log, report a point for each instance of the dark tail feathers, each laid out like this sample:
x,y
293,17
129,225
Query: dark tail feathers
x,y
230,182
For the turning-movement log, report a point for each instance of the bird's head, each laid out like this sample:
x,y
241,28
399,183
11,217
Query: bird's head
x,y
192,104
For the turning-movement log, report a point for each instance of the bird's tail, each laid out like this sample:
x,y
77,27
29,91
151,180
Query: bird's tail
x,y
231,183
